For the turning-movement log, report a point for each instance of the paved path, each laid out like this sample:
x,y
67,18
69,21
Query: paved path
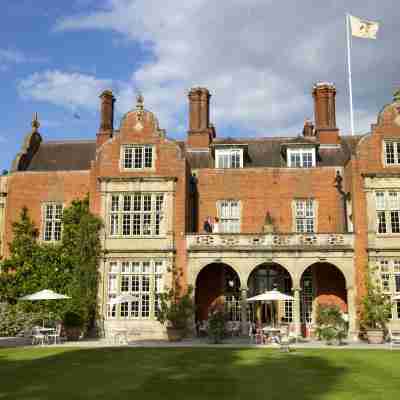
x,y
242,342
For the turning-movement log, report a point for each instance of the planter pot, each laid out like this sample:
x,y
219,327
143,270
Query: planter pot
x,y
175,334
73,333
375,336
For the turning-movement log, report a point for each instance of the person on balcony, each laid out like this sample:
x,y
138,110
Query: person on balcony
x,y
208,225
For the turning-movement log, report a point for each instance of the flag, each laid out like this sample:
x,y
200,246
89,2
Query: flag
x,y
363,28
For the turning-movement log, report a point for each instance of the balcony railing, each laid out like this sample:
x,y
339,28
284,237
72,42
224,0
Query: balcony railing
x,y
270,241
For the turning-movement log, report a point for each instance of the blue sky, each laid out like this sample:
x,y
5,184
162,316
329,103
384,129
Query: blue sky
x,y
259,58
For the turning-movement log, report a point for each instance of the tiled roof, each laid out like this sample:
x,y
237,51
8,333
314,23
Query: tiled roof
x,y
63,156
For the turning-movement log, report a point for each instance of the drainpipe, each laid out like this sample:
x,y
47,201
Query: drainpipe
x,y
345,196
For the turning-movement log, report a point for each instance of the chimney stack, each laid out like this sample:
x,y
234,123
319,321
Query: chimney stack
x,y
308,130
324,94
106,117
201,131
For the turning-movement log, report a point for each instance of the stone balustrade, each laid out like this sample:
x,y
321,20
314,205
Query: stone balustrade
x,y
270,241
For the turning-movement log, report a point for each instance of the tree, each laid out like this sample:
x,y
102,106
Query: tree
x,y
69,267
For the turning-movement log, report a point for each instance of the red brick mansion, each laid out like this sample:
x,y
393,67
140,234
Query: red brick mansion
x,y
309,214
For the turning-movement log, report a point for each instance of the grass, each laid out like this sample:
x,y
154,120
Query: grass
x,y
197,373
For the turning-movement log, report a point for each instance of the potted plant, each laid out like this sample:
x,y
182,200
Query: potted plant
x,y
216,324
331,326
375,314
72,323
176,310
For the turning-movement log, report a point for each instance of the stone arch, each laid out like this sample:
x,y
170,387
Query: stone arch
x,y
246,278
213,283
321,283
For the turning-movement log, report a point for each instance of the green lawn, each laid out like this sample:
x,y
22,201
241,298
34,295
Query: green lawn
x,y
198,373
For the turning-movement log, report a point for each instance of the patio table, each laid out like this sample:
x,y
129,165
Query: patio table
x,y
120,333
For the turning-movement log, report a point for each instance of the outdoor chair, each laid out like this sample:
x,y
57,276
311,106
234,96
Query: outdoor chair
x,y
236,328
259,336
203,328
56,334
394,337
37,336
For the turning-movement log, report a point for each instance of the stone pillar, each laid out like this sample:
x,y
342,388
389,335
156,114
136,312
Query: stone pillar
x,y
351,308
296,312
243,310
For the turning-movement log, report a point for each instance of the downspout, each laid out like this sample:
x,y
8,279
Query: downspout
x,y
345,196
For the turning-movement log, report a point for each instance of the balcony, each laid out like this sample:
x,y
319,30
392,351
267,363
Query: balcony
x,y
270,241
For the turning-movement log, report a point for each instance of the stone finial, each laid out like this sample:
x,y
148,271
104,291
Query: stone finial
x,y
140,106
35,123
268,223
396,96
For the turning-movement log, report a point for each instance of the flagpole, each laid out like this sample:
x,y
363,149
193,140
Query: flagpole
x,y
349,68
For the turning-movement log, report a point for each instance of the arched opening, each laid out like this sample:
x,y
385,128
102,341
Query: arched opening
x,y
265,277
218,286
321,284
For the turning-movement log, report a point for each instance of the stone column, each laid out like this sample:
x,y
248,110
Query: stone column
x,y
296,312
243,310
351,307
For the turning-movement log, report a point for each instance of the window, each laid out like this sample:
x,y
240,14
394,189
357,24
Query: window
x,y
307,294
388,276
136,214
229,215
137,157
233,307
143,280
388,212
229,158
392,152
305,216
52,215
301,158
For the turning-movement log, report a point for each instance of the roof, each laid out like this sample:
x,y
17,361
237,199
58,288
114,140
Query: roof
x,y
63,156
266,152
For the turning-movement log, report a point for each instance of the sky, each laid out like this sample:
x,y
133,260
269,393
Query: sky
x,y
258,58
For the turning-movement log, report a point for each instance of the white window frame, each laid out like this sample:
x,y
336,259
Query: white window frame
x,y
136,214
387,274
301,153
305,215
145,280
229,213
138,154
387,206
229,158
52,224
395,157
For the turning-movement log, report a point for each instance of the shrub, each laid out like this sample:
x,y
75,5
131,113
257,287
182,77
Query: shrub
x,y
330,323
72,320
15,321
216,325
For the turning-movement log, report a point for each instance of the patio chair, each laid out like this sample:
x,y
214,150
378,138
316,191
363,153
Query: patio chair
x,y
37,336
394,337
56,334
259,336
236,328
203,328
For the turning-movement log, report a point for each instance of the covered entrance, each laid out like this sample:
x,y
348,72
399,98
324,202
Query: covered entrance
x,y
218,286
266,277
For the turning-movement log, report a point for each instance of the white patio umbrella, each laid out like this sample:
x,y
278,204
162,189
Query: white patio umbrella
x,y
123,298
45,295
270,296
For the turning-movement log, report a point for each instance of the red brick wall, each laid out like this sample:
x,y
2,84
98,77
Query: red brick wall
x,y
273,190
32,189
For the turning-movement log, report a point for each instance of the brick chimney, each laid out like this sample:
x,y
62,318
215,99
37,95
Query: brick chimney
x,y
308,130
106,117
324,94
201,132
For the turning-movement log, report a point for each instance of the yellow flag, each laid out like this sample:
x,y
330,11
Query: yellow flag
x,y
363,28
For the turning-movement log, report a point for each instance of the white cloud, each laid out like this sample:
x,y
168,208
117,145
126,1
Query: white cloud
x,y
258,57
13,56
70,90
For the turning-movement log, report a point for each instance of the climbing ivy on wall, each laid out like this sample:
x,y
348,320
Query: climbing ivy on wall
x,y
68,267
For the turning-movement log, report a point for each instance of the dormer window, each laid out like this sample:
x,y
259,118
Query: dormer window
x,y
229,158
137,156
301,157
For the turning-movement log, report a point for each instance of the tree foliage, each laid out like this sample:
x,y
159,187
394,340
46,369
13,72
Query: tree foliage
x,y
68,267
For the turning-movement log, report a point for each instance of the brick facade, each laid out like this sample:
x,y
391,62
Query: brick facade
x,y
326,261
